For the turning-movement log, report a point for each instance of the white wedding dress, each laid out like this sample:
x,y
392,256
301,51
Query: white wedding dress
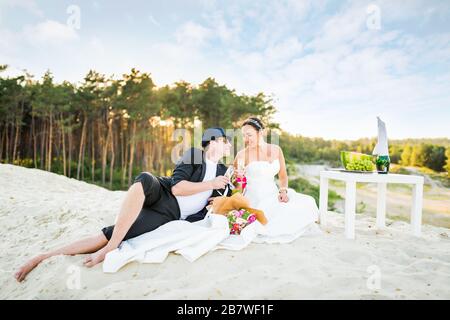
x,y
286,221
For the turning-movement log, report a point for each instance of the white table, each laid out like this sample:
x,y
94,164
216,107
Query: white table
x,y
350,197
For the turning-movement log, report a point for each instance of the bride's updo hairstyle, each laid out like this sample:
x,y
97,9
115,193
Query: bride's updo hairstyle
x,y
255,123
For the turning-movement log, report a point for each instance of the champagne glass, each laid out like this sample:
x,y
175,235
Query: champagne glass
x,y
240,168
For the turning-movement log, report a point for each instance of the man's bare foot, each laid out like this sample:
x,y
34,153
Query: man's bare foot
x,y
27,267
96,257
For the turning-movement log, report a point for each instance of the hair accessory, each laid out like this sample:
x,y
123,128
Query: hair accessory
x,y
255,123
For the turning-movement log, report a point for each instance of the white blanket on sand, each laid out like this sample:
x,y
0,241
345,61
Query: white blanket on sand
x,y
191,240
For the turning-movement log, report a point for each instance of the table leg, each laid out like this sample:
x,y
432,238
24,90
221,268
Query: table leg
x,y
323,202
350,206
381,205
416,209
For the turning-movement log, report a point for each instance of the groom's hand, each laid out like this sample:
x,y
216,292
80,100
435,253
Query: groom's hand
x,y
219,182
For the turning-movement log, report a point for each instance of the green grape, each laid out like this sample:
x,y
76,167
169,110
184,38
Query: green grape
x,y
360,165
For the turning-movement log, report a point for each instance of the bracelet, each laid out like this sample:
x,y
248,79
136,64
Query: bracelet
x,y
282,189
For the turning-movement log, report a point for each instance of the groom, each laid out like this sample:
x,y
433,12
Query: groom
x,y
153,201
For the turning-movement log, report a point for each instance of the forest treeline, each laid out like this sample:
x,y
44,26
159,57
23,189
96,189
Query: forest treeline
x,y
430,153
106,130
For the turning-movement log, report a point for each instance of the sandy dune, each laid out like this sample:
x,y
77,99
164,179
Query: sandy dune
x,y
39,210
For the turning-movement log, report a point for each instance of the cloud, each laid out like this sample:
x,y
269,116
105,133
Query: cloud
x,y
49,32
29,5
348,72
283,51
340,28
330,75
223,28
400,11
192,34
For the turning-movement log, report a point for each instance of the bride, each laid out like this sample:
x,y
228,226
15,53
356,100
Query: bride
x,y
289,214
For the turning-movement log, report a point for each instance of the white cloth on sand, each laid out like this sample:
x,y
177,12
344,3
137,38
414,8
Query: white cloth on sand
x,y
191,240
286,222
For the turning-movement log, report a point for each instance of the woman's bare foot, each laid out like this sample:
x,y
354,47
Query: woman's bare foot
x,y
96,257
27,267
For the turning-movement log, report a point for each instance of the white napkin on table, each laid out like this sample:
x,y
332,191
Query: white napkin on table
x,y
381,148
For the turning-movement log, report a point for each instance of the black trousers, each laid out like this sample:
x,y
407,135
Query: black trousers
x,y
160,206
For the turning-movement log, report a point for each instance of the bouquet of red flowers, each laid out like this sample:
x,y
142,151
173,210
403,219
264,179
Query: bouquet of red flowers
x,y
239,219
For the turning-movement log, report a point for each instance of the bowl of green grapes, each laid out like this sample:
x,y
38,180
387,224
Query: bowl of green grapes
x,y
356,161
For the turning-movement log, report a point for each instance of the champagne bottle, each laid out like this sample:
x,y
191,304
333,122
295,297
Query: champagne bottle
x,y
383,163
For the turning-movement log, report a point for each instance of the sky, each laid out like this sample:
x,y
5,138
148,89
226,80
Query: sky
x,y
331,67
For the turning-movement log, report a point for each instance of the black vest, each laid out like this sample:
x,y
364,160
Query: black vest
x,y
192,167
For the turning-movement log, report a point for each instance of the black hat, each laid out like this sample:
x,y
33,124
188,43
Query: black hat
x,y
213,134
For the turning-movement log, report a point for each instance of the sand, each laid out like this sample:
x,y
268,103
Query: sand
x,y
40,210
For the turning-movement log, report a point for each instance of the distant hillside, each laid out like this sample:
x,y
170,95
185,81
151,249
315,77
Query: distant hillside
x,y
445,142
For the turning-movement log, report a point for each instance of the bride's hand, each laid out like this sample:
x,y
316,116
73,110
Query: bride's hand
x,y
283,197
240,173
